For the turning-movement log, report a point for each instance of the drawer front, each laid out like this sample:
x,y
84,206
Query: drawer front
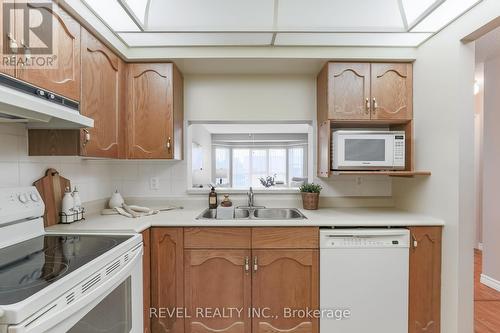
x,y
217,238
285,238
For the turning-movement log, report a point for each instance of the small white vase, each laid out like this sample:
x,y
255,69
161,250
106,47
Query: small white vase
x,y
116,200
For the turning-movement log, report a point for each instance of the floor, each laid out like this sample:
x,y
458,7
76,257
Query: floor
x,y
486,302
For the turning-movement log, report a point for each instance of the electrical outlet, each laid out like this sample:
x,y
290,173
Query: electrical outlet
x,y
154,183
358,181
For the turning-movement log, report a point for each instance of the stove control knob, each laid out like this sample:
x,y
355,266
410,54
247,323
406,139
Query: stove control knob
x,y
34,197
23,198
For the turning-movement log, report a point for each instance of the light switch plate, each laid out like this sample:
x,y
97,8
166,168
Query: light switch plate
x,y
154,183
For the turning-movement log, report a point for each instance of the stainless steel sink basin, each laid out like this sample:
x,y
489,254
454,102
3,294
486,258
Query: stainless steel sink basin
x,y
257,214
278,214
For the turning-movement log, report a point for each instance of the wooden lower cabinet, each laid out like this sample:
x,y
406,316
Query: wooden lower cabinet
x,y
146,276
425,280
217,279
167,279
284,281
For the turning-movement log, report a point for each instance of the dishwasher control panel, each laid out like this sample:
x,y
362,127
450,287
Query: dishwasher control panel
x,y
365,238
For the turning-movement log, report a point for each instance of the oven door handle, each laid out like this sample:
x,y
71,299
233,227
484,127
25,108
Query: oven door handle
x,y
58,312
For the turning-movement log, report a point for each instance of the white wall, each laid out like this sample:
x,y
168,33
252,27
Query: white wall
x,y
478,155
444,137
491,166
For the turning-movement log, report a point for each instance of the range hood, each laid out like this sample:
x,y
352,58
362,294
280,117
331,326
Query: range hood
x,y
23,103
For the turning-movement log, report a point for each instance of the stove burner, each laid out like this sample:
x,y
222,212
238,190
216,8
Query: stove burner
x,y
33,276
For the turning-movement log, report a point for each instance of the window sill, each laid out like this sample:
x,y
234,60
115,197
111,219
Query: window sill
x,y
223,190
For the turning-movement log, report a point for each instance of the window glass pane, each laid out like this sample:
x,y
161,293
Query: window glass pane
x,y
241,167
360,150
277,165
222,166
259,166
296,165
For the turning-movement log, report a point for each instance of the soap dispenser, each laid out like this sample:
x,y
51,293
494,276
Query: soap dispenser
x,y
212,199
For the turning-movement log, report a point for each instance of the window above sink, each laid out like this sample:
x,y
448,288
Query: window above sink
x,y
274,157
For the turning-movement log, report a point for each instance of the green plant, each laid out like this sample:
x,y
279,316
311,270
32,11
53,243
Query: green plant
x,y
311,188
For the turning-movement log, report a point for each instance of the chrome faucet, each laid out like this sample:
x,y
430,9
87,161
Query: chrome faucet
x,y
251,198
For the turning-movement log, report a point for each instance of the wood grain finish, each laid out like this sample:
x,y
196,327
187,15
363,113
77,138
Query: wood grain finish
x,y
167,278
285,238
425,280
392,91
51,188
217,238
102,88
217,279
153,119
285,279
6,67
42,142
486,302
63,79
146,278
348,91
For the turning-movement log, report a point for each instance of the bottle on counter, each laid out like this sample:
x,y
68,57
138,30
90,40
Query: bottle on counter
x,y
68,203
212,199
226,202
77,204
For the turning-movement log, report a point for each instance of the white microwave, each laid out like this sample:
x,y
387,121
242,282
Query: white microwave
x,y
368,150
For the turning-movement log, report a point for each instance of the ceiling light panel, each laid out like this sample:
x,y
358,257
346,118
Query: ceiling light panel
x,y
352,39
213,15
138,8
444,14
414,9
145,39
340,15
112,14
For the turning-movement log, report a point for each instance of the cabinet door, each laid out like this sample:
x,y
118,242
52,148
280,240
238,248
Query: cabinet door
x,y
285,280
425,280
150,111
349,91
6,66
392,91
218,279
101,97
167,279
64,77
146,278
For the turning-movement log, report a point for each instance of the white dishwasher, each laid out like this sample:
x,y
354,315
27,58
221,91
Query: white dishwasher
x,y
364,280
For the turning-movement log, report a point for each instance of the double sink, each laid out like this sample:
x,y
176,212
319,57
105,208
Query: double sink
x,y
251,213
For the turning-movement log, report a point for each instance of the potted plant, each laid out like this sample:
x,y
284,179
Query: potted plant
x,y
310,195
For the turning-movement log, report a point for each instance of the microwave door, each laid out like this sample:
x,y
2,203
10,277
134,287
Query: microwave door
x,y
365,152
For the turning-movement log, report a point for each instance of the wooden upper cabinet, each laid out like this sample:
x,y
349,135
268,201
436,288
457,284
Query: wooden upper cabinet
x,y
167,278
365,91
282,280
102,91
5,50
155,111
64,77
425,280
348,86
392,91
218,279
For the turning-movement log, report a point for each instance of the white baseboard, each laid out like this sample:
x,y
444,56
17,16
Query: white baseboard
x,y
490,282
480,246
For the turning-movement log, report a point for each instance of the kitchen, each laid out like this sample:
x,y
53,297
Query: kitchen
x,y
147,146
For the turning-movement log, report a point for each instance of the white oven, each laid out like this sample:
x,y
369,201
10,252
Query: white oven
x,y
66,282
368,150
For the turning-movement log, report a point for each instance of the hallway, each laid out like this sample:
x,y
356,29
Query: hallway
x,y
486,302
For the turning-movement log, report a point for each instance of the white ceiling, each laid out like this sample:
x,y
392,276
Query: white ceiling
x,y
393,23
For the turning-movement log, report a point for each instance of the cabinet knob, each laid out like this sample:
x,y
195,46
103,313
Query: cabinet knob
x,y
255,264
375,105
415,241
169,143
86,137
367,111
247,264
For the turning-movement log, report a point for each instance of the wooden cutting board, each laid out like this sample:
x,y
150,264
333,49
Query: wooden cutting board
x,y
51,188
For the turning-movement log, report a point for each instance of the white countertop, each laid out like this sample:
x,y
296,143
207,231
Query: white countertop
x,y
324,217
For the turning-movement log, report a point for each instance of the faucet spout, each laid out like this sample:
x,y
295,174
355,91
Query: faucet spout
x,y
251,197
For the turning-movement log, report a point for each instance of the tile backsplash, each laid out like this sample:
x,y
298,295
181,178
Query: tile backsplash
x,y
96,179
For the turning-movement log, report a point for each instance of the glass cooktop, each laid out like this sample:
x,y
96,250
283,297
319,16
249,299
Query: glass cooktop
x,y
28,267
